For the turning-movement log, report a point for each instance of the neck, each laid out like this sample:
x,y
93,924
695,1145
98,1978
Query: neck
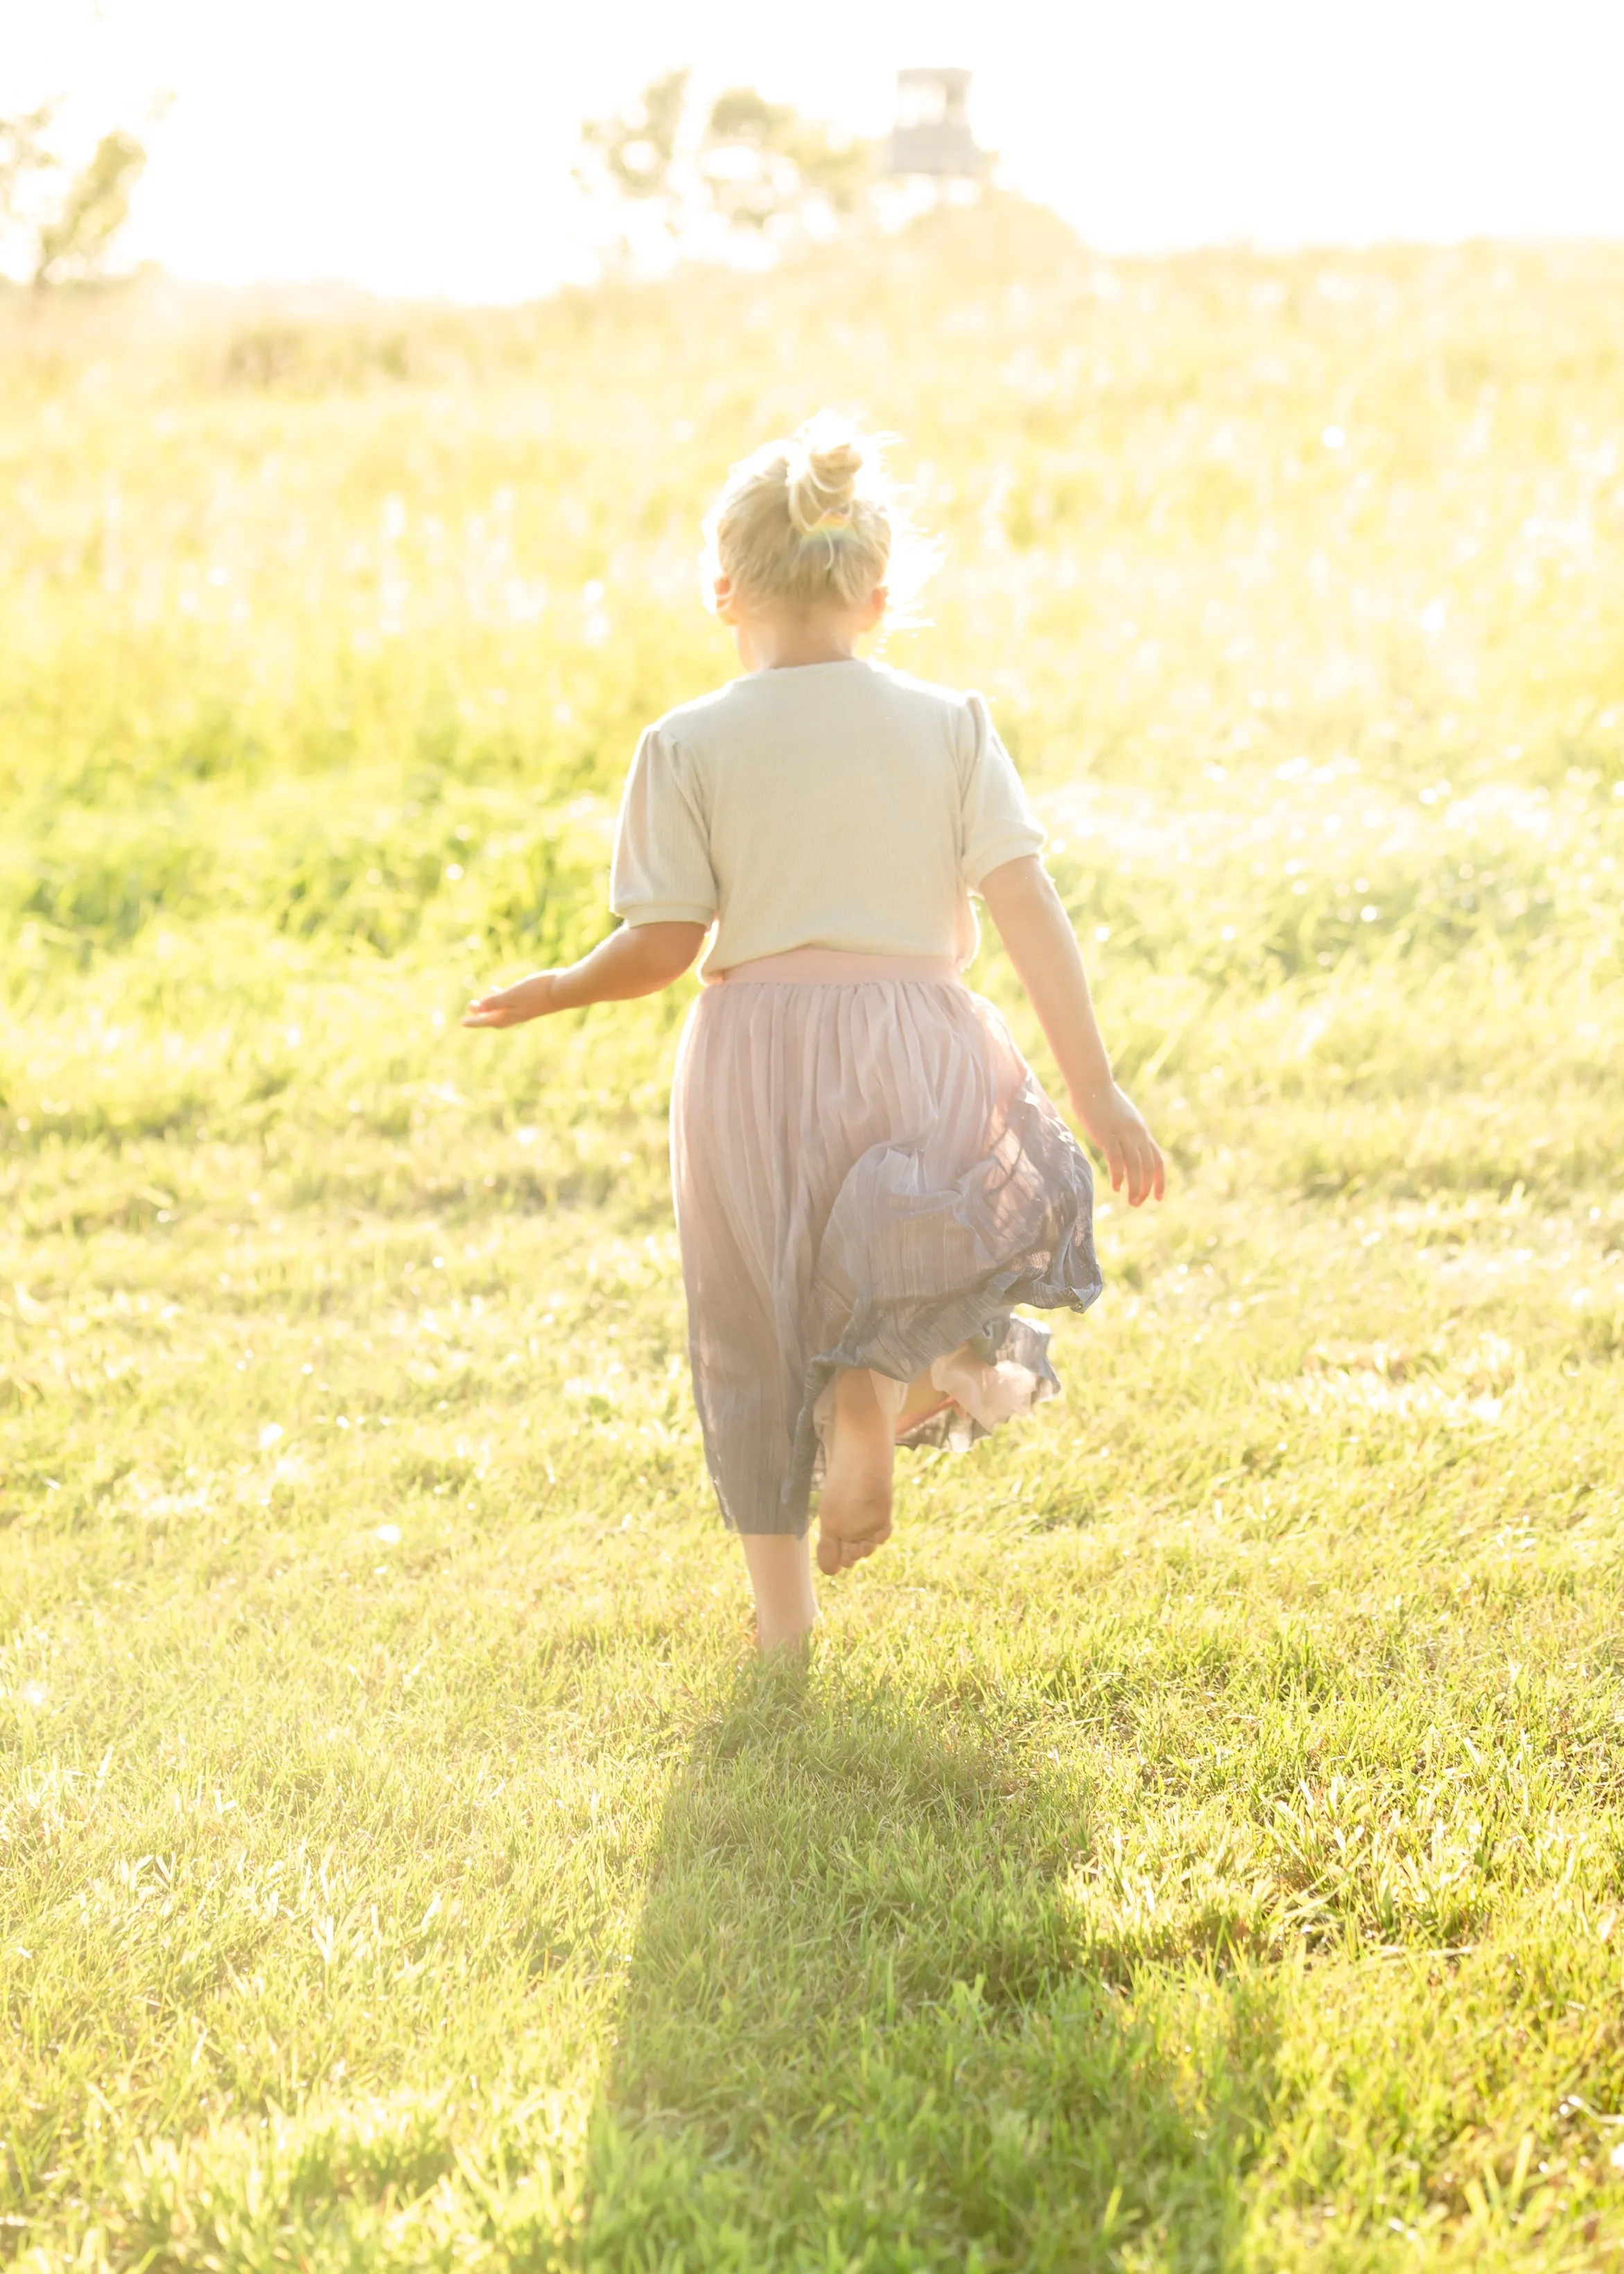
x,y
781,643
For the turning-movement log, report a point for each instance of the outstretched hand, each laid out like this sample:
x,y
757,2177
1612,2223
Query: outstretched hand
x,y
636,959
511,1006
1119,1129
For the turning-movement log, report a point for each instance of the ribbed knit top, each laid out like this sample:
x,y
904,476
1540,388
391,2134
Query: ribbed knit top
x,y
839,805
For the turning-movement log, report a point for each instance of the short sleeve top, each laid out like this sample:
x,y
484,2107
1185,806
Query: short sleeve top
x,y
838,805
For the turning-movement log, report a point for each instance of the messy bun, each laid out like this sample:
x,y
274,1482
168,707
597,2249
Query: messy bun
x,y
821,472
812,518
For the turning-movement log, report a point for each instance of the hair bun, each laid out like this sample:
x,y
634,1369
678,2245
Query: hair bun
x,y
812,517
822,472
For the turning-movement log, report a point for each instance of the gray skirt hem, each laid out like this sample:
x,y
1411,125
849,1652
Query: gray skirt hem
x,y
903,1342
865,1177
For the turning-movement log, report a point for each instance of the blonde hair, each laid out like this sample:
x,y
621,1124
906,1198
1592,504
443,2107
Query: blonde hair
x,y
815,517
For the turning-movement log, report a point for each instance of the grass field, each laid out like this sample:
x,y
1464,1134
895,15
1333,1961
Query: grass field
x,y
1199,1840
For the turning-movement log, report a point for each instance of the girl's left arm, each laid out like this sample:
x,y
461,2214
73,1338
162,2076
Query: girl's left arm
x,y
637,959
1037,932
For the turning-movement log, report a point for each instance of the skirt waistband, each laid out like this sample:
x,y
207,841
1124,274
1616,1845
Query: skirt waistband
x,y
829,967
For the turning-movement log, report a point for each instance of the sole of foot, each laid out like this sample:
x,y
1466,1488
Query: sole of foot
x,y
853,1508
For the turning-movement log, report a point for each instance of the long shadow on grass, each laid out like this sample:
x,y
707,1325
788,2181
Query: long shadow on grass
x,y
858,2031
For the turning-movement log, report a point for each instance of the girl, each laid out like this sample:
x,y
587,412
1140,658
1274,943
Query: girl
x,y
868,1179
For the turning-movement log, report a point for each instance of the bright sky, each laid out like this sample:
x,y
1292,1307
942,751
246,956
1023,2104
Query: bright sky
x,y
424,145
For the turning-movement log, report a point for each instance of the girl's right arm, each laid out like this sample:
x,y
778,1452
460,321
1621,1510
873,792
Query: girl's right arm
x,y
637,959
1034,927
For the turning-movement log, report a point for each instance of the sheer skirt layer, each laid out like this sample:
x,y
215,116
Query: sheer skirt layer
x,y
865,1174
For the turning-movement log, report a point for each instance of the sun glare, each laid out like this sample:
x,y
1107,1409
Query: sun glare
x,y
430,150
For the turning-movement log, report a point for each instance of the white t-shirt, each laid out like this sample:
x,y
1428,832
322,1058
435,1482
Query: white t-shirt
x,y
838,805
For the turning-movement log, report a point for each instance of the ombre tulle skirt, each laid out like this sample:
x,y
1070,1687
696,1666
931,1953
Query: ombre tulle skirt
x,y
865,1174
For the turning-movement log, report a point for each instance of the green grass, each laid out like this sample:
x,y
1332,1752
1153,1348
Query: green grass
x,y
1197,1840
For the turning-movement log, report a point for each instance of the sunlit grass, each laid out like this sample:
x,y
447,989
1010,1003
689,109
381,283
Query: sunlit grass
x,y
1197,1840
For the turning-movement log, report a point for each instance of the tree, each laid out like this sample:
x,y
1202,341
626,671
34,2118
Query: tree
x,y
65,231
745,170
24,156
637,149
75,240
764,163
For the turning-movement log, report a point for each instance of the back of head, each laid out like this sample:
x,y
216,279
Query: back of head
x,y
812,518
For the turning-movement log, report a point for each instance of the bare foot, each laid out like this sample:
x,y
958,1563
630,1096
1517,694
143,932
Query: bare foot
x,y
853,1508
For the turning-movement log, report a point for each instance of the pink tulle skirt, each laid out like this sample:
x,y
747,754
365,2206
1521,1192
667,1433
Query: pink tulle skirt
x,y
865,1174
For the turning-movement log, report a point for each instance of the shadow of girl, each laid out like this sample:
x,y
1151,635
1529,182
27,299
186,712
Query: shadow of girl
x,y
857,2029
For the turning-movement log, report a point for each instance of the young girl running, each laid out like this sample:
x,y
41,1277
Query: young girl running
x,y
868,1177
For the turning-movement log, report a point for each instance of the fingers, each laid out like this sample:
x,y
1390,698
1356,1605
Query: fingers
x,y
1133,1160
1115,1160
1143,1170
